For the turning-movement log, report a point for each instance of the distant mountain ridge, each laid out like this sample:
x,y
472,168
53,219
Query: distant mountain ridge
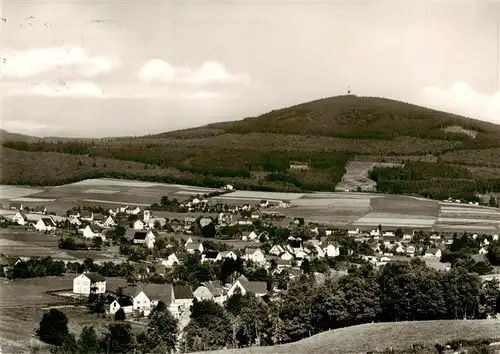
x,y
443,154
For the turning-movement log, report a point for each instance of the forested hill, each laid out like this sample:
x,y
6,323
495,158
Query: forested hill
x,y
258,152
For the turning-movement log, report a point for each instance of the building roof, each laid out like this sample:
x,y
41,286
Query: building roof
x,y
48,222
99,216
159,292
86,214
251,250
140,235
215,287
211,254
256,287
125,301
8,261
94,277
183,292
193,246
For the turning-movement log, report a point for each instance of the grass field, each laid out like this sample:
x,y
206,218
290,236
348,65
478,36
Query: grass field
x,y
380,336
22,306
356,176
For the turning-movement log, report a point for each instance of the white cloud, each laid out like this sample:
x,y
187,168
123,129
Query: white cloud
x,y
156,70
24,64
463,99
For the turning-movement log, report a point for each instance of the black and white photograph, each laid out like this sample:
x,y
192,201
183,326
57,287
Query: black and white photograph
x,y
249,176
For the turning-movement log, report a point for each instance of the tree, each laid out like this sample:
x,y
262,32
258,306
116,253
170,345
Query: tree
x,y
88,343
119,338
120,315
306,266
209,328
493,254
161,335
53,327
97,303
208,231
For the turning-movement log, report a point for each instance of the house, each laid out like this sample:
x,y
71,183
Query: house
x,y
433,253
144,237
226,254
189,221
183,295
258,288
87,215
109,222
45,224
139,225
146,296
15,206
135,211
20,218
249,236
8,262
209,256
86,283
172,260
331,250
283,263
287,256
483,250
410,249
375,233
352,232
92,231
125,303
99,219
301,253
254,255
228,187
399,249
156,223
210,290
276,250
192,247
73,220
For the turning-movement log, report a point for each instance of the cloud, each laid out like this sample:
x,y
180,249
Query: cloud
x,y
463,99
156,70
26,127
24,64
202,95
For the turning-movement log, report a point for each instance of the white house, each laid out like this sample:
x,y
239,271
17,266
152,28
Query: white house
x,y
124,303
254,255
146,296
45,224
86,283
192,247
410,249
287,256
228,187
109,222
20,218
134,211
483,250
276,250
171,260
92,231
249,236
433,253
320,253
144,237
87,215
226,254
331,250
73,220
354,232
375,233
210,290
258,288
183,296
139,225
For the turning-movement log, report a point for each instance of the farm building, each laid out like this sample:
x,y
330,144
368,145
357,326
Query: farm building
x,y
20,218
258,288
124,303
45,224
86,283
92,231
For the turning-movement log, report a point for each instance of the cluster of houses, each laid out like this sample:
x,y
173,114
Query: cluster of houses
x,y
140,299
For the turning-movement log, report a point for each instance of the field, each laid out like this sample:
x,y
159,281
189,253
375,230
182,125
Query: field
x,y
23,303
380,336
356,176
341,209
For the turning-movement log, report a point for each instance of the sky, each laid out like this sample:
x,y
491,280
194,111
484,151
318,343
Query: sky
x,y
114,68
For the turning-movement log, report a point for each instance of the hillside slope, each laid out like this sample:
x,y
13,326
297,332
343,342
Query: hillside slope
x,y
380,336
323,136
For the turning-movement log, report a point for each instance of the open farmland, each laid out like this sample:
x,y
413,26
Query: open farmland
x,y
380,336
330,208
24,301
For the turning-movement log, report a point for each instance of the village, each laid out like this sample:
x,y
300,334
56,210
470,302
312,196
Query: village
x,y
125,260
